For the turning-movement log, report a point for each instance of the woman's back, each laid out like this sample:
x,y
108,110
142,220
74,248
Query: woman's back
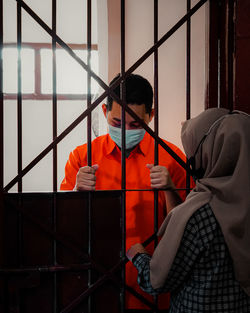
x,y
210,285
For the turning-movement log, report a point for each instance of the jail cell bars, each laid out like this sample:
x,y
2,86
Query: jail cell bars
x,y
21,5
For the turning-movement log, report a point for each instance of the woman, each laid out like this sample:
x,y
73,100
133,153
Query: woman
x,y
203,258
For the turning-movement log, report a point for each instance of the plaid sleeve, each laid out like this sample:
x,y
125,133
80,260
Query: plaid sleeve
x,y
188,252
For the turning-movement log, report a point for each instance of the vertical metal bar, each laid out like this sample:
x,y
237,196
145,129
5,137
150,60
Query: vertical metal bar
x,y
230,47
54,225
19,128
214,70
123,154
4,280
19,92
54,114
54,94
1,101
223,94
156,123
89,81
188,77
89,151
188,59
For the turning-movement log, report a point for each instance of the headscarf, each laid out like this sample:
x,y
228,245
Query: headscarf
x,y
224,154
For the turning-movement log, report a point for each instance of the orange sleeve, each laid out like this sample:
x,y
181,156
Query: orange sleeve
x,y
71,169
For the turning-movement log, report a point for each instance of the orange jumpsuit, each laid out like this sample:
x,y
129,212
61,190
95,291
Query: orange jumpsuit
x,y
139,204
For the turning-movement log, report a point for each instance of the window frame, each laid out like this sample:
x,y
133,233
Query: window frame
x,y
37,94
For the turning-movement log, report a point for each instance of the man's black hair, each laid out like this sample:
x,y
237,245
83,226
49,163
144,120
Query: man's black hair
x,y
138,91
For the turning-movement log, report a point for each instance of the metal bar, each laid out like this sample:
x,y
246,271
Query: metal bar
x,y
19,129
123,96
156,112
223,55
54,225
188,78
108,90
89,159
47,269
99,283
149,239
188,59
1,102
3,283
54,116
156,126
56,141
62,43
123,159
89,82
19,94
230,47
165,37
212,92
54,113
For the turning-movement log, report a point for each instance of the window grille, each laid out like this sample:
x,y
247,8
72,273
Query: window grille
x,y
43,91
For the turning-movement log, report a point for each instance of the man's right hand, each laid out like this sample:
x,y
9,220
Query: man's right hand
x,y
85,178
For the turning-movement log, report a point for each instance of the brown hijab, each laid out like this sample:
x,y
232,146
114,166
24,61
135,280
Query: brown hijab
x,y
225,158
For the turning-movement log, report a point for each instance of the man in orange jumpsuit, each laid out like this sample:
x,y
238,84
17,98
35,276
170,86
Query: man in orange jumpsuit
x,y
140,171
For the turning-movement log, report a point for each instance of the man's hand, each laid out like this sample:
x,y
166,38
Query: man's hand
x,y
160,177
85,178
133,250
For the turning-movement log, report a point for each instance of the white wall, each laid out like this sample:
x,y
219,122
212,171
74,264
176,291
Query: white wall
x,y
172,59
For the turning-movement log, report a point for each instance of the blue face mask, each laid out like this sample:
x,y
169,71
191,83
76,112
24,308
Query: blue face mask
x,y
133,136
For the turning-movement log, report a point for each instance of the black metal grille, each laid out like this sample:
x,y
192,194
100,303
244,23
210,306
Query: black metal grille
x,y
54,268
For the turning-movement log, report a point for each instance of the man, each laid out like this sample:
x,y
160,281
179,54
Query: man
x,y
140,171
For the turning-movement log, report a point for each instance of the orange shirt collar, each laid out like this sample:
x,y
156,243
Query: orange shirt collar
x,y
142,147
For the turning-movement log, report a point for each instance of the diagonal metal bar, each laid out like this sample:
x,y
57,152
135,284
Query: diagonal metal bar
x,y
99,283
108,275
55,141
108,90
150,51
61,42
102,280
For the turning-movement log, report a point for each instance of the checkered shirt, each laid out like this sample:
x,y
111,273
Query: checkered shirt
x,y
201,278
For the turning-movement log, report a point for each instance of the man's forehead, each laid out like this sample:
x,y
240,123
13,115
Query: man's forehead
x,y
138,109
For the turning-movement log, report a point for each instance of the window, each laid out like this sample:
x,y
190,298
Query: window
x,y
10,56
36,69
